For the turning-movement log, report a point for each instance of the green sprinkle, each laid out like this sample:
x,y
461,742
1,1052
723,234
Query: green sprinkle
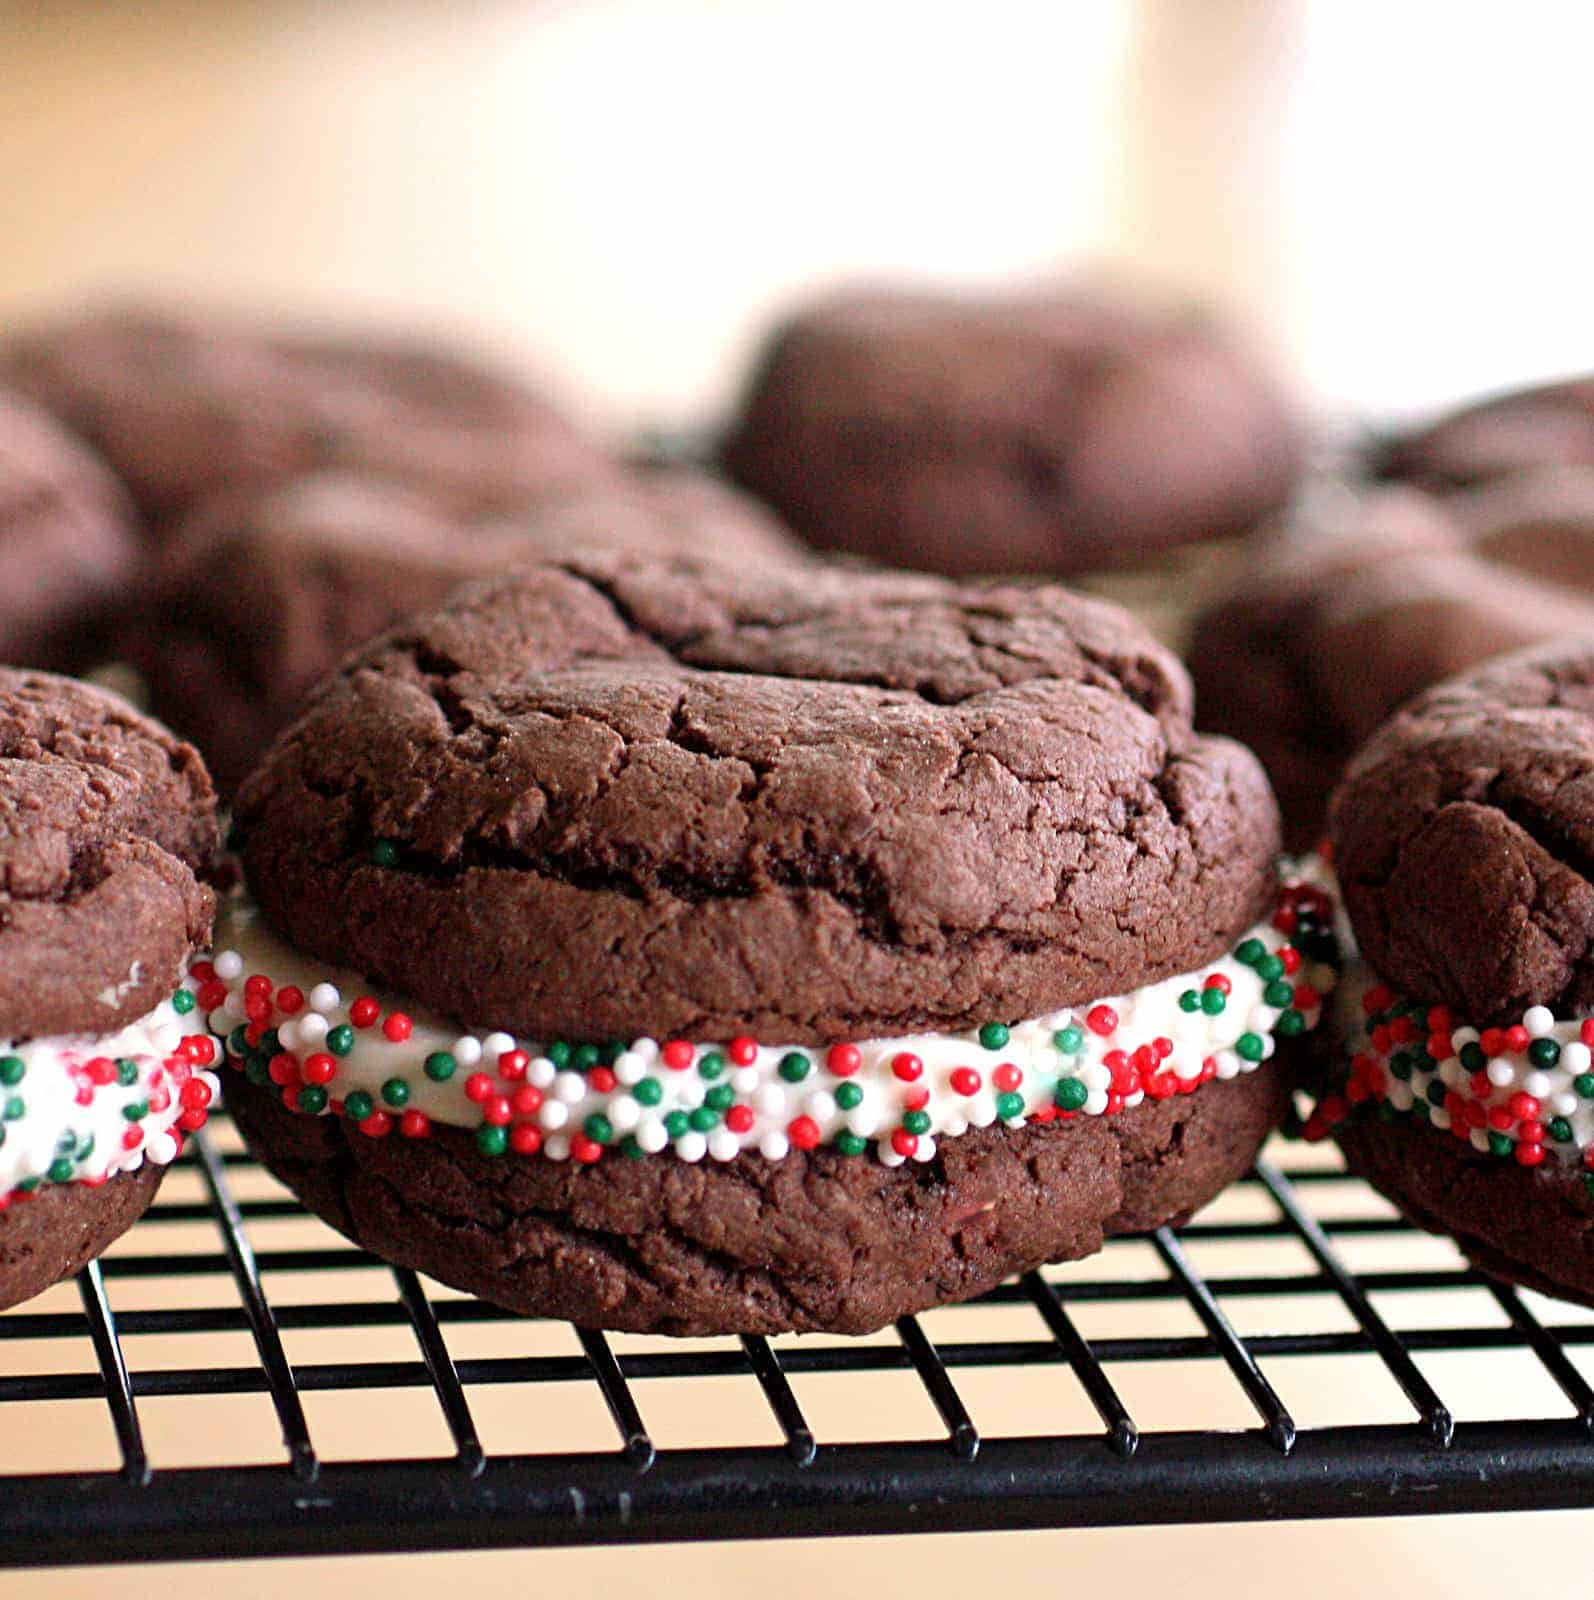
x,y
28,1185
1421,1110
1190,1000
136,1111
1500,1144
1071,1040
1213,1001
384,853
269,1042
312,1100
918,1121
1009,1106
598,1128
994,1035
492,1141
340,1040
1400,1066
1560,1130
257,1069
1290,1023
60,1170
127,1071
711,1065
704,1118
720,1098
2,1133
559,1053
1249,1047
630,1146
848,1096
66,1144
1544,1052
1584,1084
358,1106
183,1002
396,1092
1436,1092
794,1066
1250,952
439,1066
677,1124
1269,968
648,1092
238,1041
1278,994
611,1052
849,1144
1473,1057
13,1069
1071,1094
585,1057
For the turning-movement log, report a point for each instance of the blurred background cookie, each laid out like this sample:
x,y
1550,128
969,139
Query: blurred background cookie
x,y
1044,433
263,591
66,538
1332,621
184,405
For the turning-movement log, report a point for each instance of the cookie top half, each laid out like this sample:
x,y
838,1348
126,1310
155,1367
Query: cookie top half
x,y
1464,835
623,795
107,824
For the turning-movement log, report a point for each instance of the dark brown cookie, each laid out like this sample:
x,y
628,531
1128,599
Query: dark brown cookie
x,y
1047,434
1548,425
51,1234
624,796
263,592
183,406
1332,623
1464,833
816,1240
106,823
1539,523
67,542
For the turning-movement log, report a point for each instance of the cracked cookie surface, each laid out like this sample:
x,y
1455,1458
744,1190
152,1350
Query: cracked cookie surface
x,y
1464,839
622,796
106,824
816,1240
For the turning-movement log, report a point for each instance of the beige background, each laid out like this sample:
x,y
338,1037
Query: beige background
x,y
621,192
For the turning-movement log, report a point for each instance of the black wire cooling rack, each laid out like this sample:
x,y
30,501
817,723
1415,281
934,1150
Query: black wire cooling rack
x,y
248,1383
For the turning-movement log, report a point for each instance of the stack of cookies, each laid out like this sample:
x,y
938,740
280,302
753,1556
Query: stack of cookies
x,y
697,909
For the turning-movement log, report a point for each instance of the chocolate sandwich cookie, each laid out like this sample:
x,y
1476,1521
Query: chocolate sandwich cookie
x,y
1462,834
1337,619
263,591
674,947
67,541
1546,425
107,826
184,406
1045,434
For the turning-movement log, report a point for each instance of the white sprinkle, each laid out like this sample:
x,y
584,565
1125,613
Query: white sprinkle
x,y
1538,1020
325,997
1478,1139
982,1108
652,1135
1537,1084
1499,1072
1096,1076
229,965
926,1148
624,1113
629,1068
745,1080
723,1145
888,1155
691,1146
467,1050
495,1044
313,1027
954,1126
647,1049
1228,1064
1095,1103
1400,1095
1439,1117
541,1072
1261,1019
1460,1037
1563,1102
820,1105
557,1148
570,1087
770,1101
863,1120
1575,1057
774,1146
554,1114
162,1147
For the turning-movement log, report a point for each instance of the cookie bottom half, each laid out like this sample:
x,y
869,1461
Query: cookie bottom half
x,y
1532,1226
63,1227
814,1241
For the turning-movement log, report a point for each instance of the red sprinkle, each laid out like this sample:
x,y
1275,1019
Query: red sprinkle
x,y
212,994
527,1100
196,1095
904,1143
1007,1077
259,987
1529,1155
398,1027
290,1000
319,1068
478,1086
200,1048
843,1059
512,1065
496,1111
804,1132
525,1138
376,1126
677,1055
602,1080
743,1050
204,971
101,1069
362,1014
584,1149
1523,1105
1101,1020
415,1124
916,1098
739,1119
906,1066
1219,982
